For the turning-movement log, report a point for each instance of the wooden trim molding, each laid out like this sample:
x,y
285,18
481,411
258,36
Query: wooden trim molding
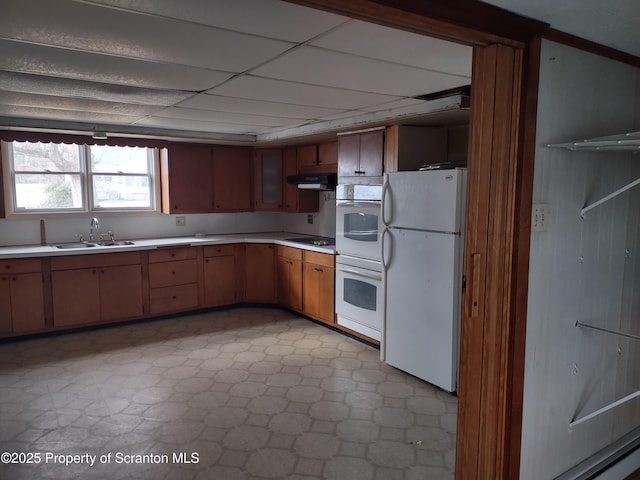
x,y
464,21
46,137
496,262
592,47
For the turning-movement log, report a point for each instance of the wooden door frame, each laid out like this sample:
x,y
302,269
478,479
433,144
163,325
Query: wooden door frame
x,y
500,184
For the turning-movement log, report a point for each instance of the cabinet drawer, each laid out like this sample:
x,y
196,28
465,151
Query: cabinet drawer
x,y
21,265
325,259
219,250
289,252
73,262
171,299
173,273
169,254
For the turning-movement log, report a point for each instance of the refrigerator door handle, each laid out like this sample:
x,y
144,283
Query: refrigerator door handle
x,y
383,258
385,190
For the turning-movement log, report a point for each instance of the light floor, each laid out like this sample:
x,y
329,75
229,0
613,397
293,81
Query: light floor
x,y
256,393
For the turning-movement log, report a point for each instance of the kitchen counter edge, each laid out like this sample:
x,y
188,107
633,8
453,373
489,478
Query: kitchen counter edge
x,y
279,238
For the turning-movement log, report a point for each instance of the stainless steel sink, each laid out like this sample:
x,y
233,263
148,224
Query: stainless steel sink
x,y
113,243
103,243
76,245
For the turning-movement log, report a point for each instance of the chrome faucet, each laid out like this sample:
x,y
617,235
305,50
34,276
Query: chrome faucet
x,y
94,224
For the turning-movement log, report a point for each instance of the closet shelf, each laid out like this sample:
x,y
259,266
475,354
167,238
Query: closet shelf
x,y
625,142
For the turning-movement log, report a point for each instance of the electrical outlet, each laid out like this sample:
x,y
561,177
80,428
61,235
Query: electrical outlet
x,y
539,217
181,221
310,219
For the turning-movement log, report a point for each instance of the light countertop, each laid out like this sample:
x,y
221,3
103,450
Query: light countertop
x,y
278,238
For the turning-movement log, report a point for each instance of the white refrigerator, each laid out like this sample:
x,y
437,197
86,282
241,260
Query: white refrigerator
x,y
423,214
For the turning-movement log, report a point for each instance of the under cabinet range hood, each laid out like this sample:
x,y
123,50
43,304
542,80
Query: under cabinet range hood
x,y
315,181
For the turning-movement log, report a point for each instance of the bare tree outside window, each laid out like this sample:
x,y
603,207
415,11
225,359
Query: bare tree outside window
x,y
47,176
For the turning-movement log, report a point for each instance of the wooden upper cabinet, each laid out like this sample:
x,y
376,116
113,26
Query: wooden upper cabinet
x,y
328,157
232,179
186,173
307,156
321,158
296,200
361,156
268,186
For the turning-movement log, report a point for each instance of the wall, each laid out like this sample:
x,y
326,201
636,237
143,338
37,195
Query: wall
x,y
578,267
324,222
66,228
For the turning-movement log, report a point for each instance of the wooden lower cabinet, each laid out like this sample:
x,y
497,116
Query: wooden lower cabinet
x,y
76,297
173,280
21,296
259,273
319,286
95,288
223,274
120,292
109,288
290,277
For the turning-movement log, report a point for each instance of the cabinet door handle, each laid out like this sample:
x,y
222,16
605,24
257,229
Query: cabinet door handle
x,y
173,273
319,270
359,172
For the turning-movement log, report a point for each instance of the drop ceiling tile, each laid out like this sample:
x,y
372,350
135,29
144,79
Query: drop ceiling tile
x,y
268,18
88,27
382,43
334,69
268,89
241,105
199,126
63,87
75,104
65,115
56,62
223,117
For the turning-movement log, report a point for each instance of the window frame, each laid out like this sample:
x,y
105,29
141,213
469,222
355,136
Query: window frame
x,y
87,184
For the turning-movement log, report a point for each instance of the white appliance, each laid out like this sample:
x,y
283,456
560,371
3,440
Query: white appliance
x,y
360,295
359,277
358,220
423,214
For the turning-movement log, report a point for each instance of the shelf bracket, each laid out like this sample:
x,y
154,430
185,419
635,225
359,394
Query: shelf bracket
x,y
607,330
612,405
606,408
609,197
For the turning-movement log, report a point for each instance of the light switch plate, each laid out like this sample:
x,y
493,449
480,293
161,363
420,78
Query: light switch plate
x,y
539,217
181,221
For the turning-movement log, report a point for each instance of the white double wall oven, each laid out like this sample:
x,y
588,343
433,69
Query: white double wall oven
x,y
359,277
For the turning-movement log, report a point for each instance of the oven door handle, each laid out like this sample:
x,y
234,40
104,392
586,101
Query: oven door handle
x,y
372,276
360,203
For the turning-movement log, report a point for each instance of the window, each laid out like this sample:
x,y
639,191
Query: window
x,y
58,177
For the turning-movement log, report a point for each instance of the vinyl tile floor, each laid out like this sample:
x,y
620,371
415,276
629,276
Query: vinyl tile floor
x,y
247,394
